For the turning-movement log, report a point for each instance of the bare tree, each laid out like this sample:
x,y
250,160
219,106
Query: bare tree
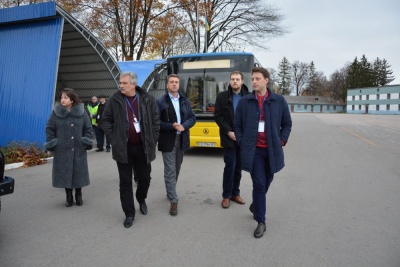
x,y
14,3
273,83
299,76
338,84
232,23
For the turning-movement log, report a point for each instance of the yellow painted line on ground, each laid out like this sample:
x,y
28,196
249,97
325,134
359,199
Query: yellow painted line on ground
x,y
359,136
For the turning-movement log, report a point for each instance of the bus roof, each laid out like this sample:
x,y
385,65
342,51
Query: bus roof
x,y
142,68
213,54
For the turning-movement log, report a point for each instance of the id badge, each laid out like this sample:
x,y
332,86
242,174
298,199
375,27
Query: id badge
x,y
137,126
261,126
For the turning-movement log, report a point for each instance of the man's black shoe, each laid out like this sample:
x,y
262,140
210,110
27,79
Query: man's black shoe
x,y
143,208
128,222
99,150
259,232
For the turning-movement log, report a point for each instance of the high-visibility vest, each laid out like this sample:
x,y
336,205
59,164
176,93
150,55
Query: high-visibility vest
x,y
93,112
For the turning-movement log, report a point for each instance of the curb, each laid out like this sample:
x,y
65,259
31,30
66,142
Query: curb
x,y
17,165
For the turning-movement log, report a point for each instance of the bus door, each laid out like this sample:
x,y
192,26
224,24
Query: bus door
x,y
193,90
210,95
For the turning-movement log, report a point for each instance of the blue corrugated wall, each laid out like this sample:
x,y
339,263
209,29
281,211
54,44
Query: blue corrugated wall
x,y
29,53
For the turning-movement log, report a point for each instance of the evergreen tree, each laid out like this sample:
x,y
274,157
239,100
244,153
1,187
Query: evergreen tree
x,y
367,75
312,80
353,74
284,76
382,72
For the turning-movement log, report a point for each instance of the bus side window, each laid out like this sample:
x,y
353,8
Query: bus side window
x,y
182,86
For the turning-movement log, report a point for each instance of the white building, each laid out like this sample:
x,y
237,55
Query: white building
x,y
374,100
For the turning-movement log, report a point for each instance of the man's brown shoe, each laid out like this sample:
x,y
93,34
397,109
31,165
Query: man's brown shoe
x,y
174,209
238,200
225,203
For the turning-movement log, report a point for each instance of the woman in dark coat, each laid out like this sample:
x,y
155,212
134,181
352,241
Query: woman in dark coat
x,y
69,134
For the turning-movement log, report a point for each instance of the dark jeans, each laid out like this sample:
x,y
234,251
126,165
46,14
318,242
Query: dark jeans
x,y
136,160
100,139
232,173
262,178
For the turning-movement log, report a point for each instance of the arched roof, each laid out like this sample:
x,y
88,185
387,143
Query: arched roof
x,y
43,50
84,64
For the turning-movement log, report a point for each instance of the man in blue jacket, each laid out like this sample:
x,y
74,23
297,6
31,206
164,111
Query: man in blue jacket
x,y
262,127
176,118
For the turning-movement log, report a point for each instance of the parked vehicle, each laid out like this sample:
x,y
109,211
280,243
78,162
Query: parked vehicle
x,y
6,183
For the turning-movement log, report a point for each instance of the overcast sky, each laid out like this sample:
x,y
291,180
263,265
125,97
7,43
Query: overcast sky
x,y
333,32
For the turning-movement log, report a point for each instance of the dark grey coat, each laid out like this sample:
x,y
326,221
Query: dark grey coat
x,y
115,124
68,134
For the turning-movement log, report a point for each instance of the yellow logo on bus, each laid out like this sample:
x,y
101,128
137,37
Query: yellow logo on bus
x,y
205,131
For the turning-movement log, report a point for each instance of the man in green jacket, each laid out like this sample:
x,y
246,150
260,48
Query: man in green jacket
x,y
93,108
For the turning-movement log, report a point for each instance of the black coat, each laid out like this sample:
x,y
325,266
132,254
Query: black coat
x,y
100,112
115,124
224,115
168,117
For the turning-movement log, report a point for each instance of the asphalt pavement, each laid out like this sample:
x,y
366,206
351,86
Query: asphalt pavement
x,y
336,203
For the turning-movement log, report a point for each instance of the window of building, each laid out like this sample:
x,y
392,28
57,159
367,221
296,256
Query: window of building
x,y
387,107
377,107
305,106
334,107
388,96
377,96
353,98
359,107
352,107
367,97
298,106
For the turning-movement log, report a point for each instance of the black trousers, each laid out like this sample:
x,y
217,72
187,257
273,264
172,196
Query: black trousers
x,y
100,139
136,160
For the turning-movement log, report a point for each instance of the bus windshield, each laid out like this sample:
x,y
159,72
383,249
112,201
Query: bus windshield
x,y
203,76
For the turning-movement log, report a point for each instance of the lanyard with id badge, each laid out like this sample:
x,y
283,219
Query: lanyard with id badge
x,y
136,123
261,123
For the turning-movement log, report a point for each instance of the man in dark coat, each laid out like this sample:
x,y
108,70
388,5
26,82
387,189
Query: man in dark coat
x,y
100,111
132,124
176,118
225,107
262,127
